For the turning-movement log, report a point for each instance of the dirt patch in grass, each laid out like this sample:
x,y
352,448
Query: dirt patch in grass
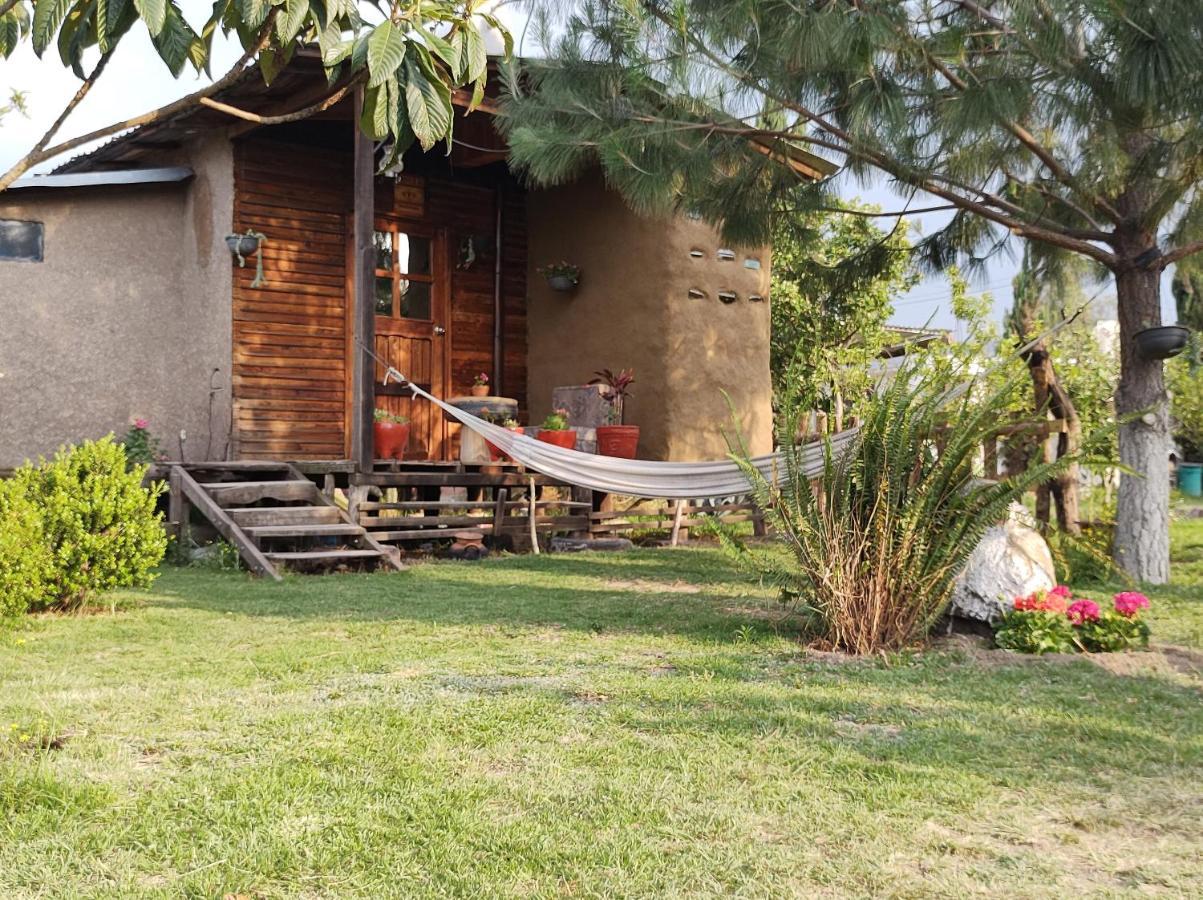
x,y
646,586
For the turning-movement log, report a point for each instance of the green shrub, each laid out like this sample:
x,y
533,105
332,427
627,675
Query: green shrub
x,y
877,539
98,522
26,564
1039,631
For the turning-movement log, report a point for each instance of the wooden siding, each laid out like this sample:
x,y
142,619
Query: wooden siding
x,y
290,334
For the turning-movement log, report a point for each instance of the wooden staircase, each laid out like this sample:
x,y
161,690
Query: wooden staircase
x,y
274,515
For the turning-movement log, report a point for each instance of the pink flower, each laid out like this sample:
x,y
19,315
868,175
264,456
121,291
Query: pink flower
x,y
1081,611
141,424
1129,603
1060,590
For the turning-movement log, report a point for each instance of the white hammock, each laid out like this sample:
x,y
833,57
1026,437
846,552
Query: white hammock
x,y
630,477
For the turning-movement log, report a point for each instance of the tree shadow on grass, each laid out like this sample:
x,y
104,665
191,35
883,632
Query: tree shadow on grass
x,y
586,594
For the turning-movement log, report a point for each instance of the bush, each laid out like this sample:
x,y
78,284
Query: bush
x,y
98,524
1055,622
877,540
26,564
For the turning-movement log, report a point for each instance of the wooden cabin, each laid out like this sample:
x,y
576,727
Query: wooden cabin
x,y
124,301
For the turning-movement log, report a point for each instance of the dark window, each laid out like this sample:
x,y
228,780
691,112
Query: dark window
x,y
20,240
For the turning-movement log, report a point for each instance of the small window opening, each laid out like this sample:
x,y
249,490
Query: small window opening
x,y
21,241
697,294
752,263
755,298
696,253
728,296
726,255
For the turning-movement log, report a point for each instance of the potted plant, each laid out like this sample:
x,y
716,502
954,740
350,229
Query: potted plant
x,y
495,452
480,385
1162,341
562,276
555,430
615,438
391,433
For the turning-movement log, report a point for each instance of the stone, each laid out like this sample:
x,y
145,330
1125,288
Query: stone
x,y
576,545
1011,561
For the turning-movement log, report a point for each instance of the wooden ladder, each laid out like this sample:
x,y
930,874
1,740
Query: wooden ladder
x,y
273,515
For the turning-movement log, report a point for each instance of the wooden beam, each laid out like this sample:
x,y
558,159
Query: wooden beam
x,y
363,310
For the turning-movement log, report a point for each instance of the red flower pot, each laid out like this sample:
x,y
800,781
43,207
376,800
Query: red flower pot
x,y
391,439
565,438
480,390
495,452
618,440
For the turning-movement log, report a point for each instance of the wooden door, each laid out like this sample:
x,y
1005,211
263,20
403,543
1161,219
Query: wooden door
x,y
412,314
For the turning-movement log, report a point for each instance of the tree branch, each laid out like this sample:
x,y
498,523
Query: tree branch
x,y
283,118
36,156
22,166
1168,259
7,6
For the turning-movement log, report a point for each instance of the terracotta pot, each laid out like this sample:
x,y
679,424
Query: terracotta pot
x,y
391,439
495,452
565,438
480,390
618,440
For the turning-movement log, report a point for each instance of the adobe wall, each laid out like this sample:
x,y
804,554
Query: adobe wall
x,y
126,317
633,310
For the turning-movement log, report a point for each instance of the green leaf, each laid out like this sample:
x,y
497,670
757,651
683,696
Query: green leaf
x,y
373,120
109,14
48,15
153,13
445,50
174,41
14,25
386,50
253,12
478,94
477,54
290,20
507,39
75,35
428,102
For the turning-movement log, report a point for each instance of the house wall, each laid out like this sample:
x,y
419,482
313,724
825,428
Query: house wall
x,y
632,310
124,318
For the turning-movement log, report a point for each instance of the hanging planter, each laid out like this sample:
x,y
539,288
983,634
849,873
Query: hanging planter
x,y
249,244
1162,342
562,276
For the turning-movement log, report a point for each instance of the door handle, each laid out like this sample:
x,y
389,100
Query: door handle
x,y
440,330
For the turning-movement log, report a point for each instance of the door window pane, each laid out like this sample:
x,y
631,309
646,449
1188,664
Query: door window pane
x,y
383,241
384,296
415,300
413,254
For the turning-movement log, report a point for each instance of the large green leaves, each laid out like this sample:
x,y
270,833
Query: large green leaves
x,y
428,101
153,13
386,50
14,26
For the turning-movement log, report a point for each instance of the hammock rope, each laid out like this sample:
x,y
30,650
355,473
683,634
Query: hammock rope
x,y
631,477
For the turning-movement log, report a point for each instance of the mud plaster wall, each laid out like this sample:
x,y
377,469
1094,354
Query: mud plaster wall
x,y
125,318
632,309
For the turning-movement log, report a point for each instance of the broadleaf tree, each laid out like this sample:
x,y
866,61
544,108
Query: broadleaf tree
x,y
409,57
1072,124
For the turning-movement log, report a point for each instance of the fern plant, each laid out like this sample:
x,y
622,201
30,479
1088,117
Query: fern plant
x,y
875,541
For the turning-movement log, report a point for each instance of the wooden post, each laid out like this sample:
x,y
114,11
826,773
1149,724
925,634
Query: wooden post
x,y
363,310
677,514
534,531
499,516
178,507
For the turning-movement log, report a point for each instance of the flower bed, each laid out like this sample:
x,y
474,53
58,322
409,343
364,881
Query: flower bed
x,y
1057,622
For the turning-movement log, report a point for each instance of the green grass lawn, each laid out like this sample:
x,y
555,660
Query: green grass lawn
x,y
636,725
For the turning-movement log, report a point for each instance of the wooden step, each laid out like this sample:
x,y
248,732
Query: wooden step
x,y
320,530
241,465
284,515
240,493
323,555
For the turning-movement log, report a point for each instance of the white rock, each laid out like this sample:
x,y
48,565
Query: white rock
x,y
1011,561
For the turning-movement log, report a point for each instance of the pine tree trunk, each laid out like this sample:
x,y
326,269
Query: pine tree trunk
x,y
1142,537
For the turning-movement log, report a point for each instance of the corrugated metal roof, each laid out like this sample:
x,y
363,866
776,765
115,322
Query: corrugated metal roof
x,y
164,175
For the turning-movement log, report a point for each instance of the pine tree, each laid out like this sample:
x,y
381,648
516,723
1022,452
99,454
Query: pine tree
x,y
1071,124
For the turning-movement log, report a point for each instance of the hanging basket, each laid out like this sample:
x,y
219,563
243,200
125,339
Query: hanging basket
x,y
1162,342
564,283
249,244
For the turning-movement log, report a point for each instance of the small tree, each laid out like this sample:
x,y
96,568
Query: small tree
x,y
1070,123
834,278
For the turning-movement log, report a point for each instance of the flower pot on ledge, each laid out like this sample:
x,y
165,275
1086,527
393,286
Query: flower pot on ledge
x,y
565,438
621,441
391,439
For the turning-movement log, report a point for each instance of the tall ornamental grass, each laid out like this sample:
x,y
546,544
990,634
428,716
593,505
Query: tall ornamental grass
x,y
875,541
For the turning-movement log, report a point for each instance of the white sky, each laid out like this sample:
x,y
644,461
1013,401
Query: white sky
x,y
135,81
